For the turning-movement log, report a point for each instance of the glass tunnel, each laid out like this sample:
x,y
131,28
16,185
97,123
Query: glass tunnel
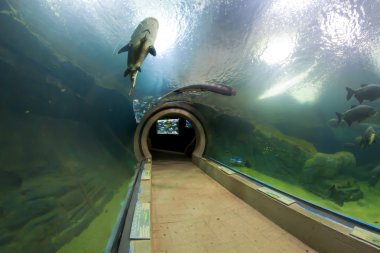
x,y
268,100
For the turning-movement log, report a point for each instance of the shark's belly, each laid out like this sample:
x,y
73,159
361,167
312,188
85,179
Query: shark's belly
x,y
137,54
148,27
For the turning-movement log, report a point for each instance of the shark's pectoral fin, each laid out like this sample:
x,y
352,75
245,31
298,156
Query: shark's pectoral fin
x,y
139,69
127,72
152,50
125,48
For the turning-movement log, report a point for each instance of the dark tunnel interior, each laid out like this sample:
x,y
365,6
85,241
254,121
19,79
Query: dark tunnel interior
x,y
173,134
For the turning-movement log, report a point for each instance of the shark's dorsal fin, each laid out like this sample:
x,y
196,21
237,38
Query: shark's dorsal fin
x,y
125,48
152,50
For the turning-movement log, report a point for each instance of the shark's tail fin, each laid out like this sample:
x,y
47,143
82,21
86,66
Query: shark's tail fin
x,y
350,92
130,92
133,82
133,87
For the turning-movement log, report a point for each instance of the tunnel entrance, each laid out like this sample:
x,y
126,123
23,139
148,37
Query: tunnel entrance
x,y
190,140
172,135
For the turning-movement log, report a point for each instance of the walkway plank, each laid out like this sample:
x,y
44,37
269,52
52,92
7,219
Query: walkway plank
x,y
193,213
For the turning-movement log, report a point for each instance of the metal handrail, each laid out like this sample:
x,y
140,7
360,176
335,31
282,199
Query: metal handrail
x,y
119,239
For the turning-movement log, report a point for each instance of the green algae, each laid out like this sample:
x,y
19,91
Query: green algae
x,y
95,237
366,209
270,132
324,166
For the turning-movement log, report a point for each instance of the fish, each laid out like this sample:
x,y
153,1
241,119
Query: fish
x,y
140,45
369,92
368,137
215,88
356,113
334,123
237,161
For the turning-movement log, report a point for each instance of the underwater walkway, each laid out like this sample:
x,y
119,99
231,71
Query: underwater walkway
x,y
193,213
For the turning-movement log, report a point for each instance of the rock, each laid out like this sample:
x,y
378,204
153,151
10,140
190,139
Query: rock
x,y
374,176
340,193
337,190
327,166
327,176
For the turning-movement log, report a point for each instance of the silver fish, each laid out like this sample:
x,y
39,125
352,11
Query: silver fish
x,y
356,113
369,92
334,123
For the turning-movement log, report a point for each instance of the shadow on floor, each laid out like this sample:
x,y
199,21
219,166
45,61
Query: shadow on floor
x,y
159,155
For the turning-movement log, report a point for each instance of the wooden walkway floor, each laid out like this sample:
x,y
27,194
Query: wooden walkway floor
x,y
193,213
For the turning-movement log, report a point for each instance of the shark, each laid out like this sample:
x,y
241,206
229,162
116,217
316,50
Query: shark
x,y
140,45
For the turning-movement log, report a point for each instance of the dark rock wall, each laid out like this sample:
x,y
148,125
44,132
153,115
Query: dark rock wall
x,y
66,144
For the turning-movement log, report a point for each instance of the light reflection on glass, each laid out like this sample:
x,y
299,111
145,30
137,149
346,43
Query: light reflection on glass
x,y
175,20
278,49
307,93
282,6
341,26
375,56
287,83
